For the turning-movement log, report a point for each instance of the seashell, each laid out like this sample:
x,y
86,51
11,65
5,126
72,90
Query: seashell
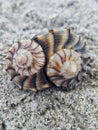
x,y
63,65
25,62
57,57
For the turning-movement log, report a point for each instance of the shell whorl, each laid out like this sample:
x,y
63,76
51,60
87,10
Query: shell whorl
x,y
27,57
25,62
63,65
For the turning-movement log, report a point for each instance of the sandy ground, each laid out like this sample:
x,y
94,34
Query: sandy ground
x,y
50,109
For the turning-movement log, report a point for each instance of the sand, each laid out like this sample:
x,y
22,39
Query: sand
x,y
51,109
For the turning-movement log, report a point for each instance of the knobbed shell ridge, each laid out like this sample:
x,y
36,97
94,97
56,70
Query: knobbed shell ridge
x,y
57,57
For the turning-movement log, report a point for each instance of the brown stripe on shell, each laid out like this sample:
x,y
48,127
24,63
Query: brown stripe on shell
x,y
60,38
72,40
33,49
36,52
58,80
47,43
57,77
56,37
42,81
42,43
55,64
30,83
14,75
19,80
11,72
61,55
55,68
52,71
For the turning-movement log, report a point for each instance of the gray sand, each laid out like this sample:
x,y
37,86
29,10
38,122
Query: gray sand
x,y
50,109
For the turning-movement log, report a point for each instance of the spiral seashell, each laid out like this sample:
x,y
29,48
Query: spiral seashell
x,y
57,57
63,65
25,61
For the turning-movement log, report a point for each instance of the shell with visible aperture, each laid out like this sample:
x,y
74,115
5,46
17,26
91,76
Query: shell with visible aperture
x,y
54,58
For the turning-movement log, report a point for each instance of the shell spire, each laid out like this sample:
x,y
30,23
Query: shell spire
x,y
27,57
63,65
25,61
